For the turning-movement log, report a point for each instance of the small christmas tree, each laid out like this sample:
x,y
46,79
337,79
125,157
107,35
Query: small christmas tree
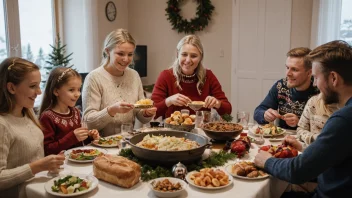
x,y
57,57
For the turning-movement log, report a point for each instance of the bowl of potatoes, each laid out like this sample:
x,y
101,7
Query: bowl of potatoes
x,y
180,122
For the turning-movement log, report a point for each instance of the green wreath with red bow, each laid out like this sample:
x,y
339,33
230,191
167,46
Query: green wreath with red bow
x,y
203,16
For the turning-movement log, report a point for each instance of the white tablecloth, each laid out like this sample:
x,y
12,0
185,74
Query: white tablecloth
x,y
271,187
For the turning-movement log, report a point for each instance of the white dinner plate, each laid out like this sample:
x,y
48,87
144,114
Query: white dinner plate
x,y
228,168
191,182
251,131
117,144
67,153
91,178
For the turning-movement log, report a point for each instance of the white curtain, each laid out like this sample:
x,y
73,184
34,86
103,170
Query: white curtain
x,y
326,21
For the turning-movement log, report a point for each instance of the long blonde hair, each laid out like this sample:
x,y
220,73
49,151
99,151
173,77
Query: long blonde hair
x,y
14,70
116,37
200,70
323,109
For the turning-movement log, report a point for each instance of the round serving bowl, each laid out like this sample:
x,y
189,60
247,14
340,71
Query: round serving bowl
x,y
167,193
222,130
184,127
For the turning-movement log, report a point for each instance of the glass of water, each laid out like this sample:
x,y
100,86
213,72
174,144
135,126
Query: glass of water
x,y
243,118
126,129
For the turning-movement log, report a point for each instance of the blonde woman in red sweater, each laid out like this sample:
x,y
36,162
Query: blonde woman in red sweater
x,y
187,80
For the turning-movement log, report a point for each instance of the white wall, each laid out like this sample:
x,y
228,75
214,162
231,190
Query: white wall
x,y
146,21
85,27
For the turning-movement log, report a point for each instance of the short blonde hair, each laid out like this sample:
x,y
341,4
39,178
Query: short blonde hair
x,y
301,52
116,37
200,70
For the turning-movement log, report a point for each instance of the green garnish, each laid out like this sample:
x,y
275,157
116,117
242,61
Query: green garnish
x,y
150,172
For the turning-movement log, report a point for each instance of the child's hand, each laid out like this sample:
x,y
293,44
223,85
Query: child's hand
x,y
94,134
81,133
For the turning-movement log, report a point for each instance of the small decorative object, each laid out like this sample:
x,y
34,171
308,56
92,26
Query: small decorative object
x,y
179,170
241,146
110,11
203,16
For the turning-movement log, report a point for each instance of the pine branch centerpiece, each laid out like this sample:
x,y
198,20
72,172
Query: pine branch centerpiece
x,y
150,172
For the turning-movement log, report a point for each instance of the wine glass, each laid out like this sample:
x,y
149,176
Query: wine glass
x,y
199,116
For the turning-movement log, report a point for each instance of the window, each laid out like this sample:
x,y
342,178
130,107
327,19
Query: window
x,y
346,21
3,46
28,30
331,20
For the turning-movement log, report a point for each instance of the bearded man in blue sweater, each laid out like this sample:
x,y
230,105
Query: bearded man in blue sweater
x,y
287,97
329,157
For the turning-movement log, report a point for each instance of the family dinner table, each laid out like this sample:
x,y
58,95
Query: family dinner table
x,y
269,187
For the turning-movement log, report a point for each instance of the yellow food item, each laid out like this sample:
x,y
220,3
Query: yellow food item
x,y
145,102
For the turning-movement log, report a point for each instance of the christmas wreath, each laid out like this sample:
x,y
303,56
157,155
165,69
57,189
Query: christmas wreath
x,y
203,16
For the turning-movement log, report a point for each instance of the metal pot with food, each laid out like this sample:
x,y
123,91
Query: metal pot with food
x,y
222,130
168,147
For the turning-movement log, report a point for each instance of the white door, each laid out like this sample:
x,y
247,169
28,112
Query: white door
x,y
260,41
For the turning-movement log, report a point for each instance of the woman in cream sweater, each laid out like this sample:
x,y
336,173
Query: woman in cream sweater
x,y
21,139
313,119
110,91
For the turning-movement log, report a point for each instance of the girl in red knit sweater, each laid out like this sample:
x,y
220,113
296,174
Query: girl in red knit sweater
x,y
60,119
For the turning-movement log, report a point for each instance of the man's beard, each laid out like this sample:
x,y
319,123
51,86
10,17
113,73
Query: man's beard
x,y
330,97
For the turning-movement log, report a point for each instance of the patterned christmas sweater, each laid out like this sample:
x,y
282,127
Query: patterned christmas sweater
x,y
58,130
285,100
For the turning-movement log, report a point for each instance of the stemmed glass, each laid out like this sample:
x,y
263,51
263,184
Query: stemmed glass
x,y
196,108
84,125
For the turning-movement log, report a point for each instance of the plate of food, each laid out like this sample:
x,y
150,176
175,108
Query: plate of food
x,y
71,185
108,142
280,151
246,170
167,186
84,154
268,130
144,104
209,179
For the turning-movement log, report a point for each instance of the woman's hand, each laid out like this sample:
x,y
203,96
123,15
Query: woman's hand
x,y
120,107
94,134
49,163
81,133
177,100
150,112
212,102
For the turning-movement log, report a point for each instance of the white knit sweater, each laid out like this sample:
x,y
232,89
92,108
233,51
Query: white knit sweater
x,y
310,123
101,89
21,142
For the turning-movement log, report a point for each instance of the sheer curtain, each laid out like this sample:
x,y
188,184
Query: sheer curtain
x,y
325,21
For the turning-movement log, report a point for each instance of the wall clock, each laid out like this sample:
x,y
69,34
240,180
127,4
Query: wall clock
x,y
110,11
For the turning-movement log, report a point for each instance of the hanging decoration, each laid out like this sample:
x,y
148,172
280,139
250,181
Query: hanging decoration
x,y
203,16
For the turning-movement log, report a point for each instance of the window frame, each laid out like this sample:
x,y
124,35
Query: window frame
x,y
13,29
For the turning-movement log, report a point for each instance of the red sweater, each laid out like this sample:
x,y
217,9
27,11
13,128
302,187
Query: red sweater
x,y
165,86
58,130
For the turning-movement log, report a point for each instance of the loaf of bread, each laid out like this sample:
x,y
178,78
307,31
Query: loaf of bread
x,y
117,170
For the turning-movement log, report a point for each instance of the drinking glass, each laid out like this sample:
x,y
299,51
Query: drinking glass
x,y
126,129
84,124
199,119
243,118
